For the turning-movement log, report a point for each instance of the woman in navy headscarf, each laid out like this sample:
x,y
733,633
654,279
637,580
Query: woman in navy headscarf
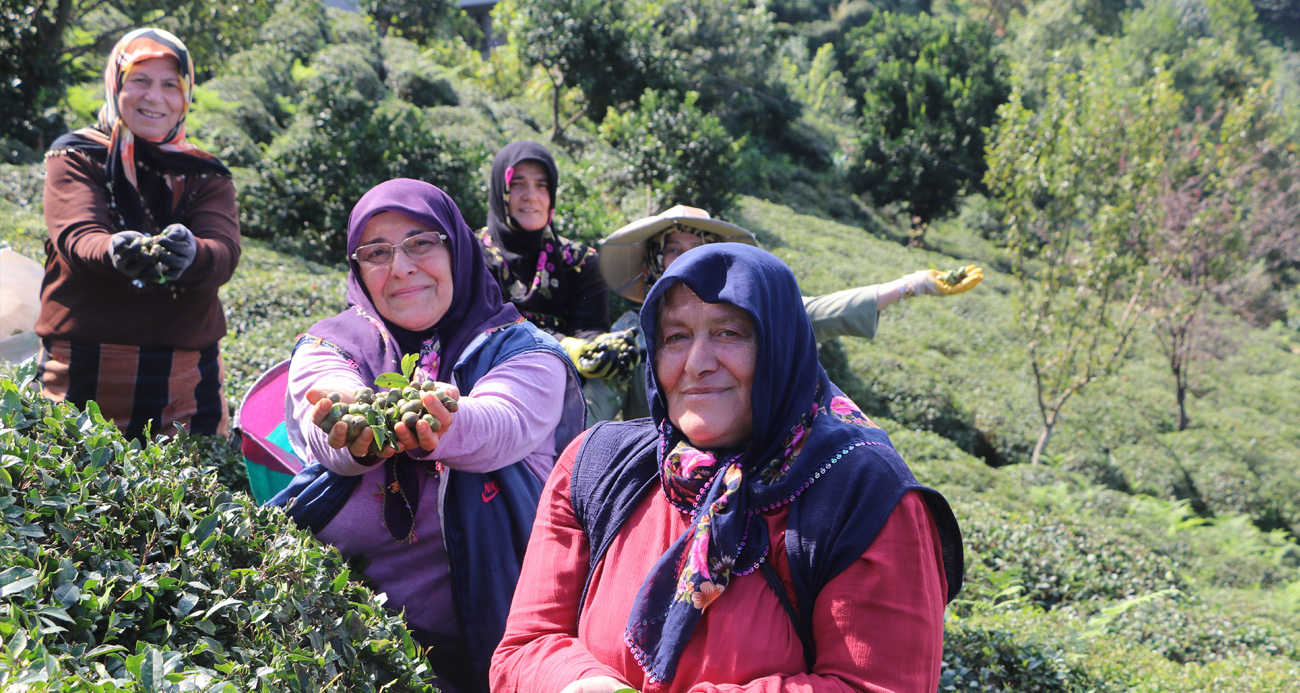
x,y
756,530
442,517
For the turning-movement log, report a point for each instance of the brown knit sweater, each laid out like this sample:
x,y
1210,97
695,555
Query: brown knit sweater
x,y
84,299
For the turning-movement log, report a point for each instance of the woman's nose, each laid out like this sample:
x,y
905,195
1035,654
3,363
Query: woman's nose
x,y
402,263
701,357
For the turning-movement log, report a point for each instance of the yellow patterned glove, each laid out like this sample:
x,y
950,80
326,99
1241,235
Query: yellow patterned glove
x,y
609,355
957,281
576,349
622,348
933,282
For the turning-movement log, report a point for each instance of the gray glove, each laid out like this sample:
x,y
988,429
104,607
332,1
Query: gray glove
x,y
126,252
180,246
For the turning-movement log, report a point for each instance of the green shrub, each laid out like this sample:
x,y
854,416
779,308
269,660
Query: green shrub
x,y
297,30
132,568
976,659
1188,629
325,162
677,152
224,137
414,78
253,87
929,89
1058,561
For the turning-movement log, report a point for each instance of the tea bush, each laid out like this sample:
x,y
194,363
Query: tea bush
x,y
130,567
320,167
1058,561
414,78
976,659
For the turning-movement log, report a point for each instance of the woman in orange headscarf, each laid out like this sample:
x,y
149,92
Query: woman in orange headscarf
x,y
134,328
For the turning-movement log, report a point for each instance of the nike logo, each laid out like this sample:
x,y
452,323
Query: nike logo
x,y
490,490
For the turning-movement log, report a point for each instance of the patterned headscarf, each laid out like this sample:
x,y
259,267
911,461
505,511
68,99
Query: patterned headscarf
x,y
174,157
524,260
802,425
654,249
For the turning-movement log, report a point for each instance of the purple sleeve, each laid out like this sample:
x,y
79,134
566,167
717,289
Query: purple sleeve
x,y
314,365
511,415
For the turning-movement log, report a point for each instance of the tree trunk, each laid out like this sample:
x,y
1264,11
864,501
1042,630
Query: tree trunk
x,y
1183,421
1041,447
555,112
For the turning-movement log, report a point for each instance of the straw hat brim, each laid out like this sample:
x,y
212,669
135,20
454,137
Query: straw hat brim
x,y
622,253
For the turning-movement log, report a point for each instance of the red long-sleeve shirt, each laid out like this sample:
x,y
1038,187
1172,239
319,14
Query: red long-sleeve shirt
x,y
878,626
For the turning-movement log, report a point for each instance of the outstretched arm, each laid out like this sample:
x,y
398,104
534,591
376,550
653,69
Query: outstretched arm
x,y
855,312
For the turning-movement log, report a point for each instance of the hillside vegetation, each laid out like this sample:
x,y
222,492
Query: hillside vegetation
x,y
1089,155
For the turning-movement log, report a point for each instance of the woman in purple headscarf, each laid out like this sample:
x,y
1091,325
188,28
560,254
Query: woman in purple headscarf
x,y
441,518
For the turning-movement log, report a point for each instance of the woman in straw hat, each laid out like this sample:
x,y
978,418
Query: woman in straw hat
x,y
634,257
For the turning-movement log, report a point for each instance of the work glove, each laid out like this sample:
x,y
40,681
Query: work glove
x,y
614,354
127,253
179,246
591,362
576,348
932,282
609,355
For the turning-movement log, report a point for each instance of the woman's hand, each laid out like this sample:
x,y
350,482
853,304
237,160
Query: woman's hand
x,y
338,435
424,437
597,684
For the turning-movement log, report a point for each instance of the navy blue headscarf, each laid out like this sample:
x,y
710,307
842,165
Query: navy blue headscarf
x,y
802,424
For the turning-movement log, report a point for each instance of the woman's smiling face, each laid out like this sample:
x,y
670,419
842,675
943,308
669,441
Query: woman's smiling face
x,y
530,196
412,293
705,363
152,98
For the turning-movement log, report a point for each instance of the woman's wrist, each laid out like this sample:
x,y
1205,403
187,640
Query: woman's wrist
x,y
892,292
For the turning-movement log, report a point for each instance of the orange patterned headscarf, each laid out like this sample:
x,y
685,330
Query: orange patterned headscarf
x,y
138,46
174,158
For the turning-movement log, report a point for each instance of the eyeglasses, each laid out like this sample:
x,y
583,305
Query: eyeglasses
x,y
381,254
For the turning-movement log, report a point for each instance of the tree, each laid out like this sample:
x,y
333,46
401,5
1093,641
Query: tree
x,y
349,135
43,47
420,21
1228,215
31,84
681,154
611,52
727,51
1070,175
589,45
818,85
928,90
